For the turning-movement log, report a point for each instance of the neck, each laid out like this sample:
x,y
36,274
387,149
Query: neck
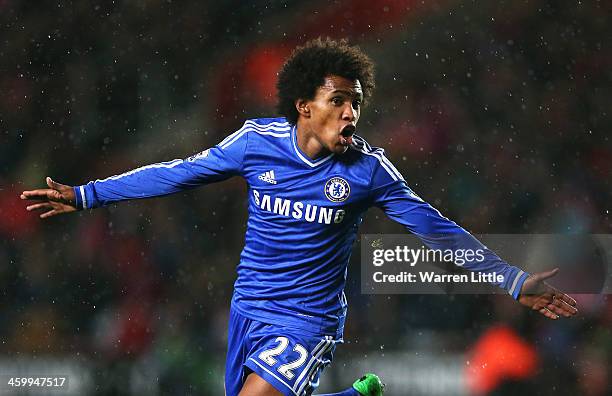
x,y
307,142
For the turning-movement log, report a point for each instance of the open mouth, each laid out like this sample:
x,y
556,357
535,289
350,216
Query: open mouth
x,y
346,135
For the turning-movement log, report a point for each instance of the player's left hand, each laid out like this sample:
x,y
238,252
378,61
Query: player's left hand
x,y
542,297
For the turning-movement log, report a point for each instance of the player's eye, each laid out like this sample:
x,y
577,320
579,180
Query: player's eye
x,y
337,101
356,104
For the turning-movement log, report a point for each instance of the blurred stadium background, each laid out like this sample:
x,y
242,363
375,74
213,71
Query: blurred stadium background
x,y
497,113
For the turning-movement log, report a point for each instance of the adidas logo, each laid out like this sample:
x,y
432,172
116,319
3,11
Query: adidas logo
x,y
267,177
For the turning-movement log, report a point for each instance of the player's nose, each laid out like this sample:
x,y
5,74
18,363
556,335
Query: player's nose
x,y
348,113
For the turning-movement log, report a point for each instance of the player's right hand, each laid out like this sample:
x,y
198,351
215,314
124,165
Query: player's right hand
x,y
57,199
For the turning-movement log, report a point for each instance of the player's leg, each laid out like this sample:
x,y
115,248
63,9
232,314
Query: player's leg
x,y
257,386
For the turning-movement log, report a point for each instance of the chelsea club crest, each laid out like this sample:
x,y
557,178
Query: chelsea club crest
x,y
337,189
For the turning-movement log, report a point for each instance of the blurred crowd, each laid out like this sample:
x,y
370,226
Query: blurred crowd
x,y
496,114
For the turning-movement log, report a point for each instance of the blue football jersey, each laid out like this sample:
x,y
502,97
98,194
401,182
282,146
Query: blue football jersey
x,y
303,218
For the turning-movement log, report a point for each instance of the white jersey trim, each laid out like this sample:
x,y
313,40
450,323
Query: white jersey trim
x,y
320,346
516,279
317,358
273,125
169,164
83,199
260,129
362,146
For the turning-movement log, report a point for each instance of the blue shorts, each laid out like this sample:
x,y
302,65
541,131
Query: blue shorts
x,y
289,359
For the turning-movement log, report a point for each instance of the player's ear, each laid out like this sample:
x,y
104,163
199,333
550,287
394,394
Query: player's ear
x,y
303,108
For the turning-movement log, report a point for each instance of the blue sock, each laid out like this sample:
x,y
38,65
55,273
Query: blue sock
x,y
348,392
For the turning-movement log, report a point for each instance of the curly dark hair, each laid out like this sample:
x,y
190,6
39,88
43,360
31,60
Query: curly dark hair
x,y
305,70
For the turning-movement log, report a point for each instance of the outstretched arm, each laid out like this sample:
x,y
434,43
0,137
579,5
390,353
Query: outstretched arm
x,y
391,193
57,199
215,164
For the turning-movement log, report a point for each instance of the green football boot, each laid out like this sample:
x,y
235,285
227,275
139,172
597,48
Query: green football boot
x,y
369,385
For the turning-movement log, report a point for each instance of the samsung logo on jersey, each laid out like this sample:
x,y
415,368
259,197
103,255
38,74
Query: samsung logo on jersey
x,y
298,210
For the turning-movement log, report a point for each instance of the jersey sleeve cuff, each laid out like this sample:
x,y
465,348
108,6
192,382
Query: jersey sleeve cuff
x,y
84,198
78,197
517,284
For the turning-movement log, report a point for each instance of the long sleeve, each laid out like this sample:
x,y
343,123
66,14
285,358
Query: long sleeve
x,y
391,193
215,164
